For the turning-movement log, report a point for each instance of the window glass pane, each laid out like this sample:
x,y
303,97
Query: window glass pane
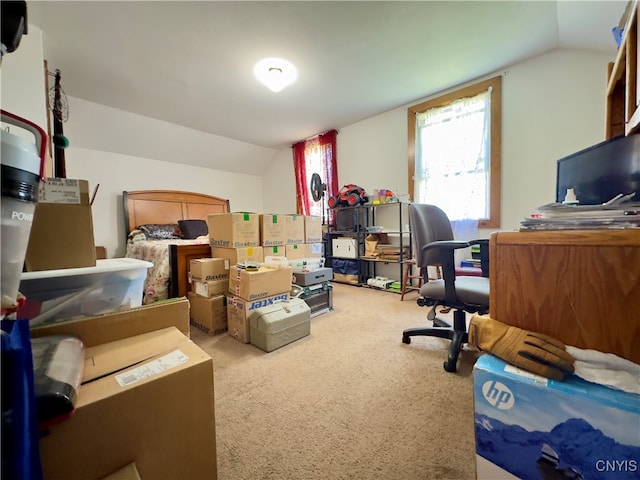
x,y
313,158
452,157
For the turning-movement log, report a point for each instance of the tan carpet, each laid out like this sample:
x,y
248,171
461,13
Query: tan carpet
x,y
349,401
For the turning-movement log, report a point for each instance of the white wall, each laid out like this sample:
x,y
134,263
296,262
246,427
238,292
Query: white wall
x,y
280,184
116,173
552,105
99,127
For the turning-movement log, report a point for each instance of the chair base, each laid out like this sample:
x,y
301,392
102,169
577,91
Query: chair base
x,y
457,333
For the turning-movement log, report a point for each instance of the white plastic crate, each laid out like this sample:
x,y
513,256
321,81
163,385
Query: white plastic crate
x,y
53,296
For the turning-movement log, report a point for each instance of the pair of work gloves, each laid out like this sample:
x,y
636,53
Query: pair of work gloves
x,y
531,351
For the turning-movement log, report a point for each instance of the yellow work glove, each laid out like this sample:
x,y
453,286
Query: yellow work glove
x,y
531,351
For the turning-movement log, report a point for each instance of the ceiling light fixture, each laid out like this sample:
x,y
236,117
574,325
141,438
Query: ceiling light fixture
x,y
275,73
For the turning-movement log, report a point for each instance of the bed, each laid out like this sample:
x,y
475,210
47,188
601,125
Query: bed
x,y
168,277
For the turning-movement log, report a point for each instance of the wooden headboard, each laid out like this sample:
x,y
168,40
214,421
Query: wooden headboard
x,y
142,207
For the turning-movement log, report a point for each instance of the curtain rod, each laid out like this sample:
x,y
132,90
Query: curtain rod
x,y
316,136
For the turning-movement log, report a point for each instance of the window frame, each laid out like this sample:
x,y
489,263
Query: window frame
x,y
495,162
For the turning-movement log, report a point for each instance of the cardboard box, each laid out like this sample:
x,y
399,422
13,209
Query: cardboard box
x,y
272,230
208,314
128,472
312,229
234,230
205,269
303,250
62,230
239,310
313,277
238,255
147,397
346,278
530,427
264,282
275,251
114,326
210,288
344,247
294,228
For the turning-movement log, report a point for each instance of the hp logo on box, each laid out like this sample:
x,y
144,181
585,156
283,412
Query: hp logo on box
x,y
498,395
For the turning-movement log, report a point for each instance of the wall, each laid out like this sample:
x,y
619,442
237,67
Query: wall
x,y
553,105
116,173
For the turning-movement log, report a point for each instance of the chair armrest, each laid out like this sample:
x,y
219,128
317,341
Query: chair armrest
x,y
447,264
446,245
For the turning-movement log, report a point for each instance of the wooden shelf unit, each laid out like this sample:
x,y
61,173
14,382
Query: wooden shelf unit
x,y
623,87
579,286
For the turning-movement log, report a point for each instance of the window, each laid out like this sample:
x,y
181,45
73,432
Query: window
x,y
315,155
455,151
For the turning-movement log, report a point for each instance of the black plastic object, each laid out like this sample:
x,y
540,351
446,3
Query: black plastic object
x,y
599,173
317,187
14,24
58,362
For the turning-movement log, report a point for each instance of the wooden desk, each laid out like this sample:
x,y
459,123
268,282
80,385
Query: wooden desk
x,y
581,287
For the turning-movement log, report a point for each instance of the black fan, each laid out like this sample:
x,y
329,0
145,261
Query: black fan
x,y
317,187
318,190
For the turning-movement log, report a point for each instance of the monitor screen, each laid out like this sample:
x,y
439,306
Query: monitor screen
x,y
599,173
346,219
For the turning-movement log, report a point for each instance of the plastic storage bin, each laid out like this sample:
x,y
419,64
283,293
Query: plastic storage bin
x,y
60,295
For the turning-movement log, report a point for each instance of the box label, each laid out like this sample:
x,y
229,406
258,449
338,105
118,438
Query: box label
x,y
155,367
59,190
265,302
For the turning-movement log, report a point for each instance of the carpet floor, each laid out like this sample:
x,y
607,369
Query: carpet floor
x,y
349,401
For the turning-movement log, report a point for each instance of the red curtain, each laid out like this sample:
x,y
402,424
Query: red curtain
x,y
315,155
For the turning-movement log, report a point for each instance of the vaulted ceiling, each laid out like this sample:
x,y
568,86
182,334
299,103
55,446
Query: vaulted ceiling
x,y
190,63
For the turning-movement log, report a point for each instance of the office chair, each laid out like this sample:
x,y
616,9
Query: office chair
x,y
435,245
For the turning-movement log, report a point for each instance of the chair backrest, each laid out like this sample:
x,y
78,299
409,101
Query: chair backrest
x,y
428,224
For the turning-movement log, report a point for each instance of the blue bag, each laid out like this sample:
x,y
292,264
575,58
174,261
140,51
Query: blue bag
x,y
20,433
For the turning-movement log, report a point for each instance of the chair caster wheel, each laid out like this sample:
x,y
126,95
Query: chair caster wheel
x,y
449,366
406,340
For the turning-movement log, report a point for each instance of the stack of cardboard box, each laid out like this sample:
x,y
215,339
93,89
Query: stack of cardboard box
x,y
209,279
273,234
240,239
235,236
250,290
141,374
304,239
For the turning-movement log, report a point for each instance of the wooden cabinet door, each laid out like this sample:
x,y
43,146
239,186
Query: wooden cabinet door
x,y
581,287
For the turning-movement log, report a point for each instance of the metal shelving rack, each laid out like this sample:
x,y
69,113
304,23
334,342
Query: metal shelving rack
x,y
353,222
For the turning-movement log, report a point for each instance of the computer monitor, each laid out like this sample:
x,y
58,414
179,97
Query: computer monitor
x,y
599,173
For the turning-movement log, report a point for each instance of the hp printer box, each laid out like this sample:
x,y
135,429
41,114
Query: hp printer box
x,y
531,428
